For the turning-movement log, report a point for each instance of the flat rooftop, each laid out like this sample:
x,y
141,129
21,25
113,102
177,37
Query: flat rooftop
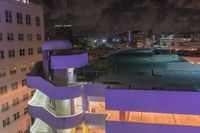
x,y
140,69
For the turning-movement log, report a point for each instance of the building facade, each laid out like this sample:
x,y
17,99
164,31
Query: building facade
x,y
61,104
21,36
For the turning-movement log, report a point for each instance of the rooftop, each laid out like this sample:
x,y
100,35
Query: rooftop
x,y
139,69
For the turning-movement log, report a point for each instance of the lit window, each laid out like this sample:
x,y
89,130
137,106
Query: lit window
x,y
13,70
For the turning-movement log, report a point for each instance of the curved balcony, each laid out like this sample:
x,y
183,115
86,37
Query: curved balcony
x,y
57,93
38,109
68,61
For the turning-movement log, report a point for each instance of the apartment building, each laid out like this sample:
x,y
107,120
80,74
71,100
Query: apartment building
x,y
144,93
21,36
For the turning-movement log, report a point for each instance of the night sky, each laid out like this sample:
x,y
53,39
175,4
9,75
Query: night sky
x,y
114,16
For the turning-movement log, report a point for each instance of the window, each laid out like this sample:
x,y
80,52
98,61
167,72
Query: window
x,y
2,72
1,54
10,36
1,36
37,19
8,16
22,52
3,89
14,85
15,101
5,107
25,97
30,51
6,122
28,19
19,18
11,53
13,70
23,82
39,37
26,110
16,116
23,68
39,50
20,37
29,37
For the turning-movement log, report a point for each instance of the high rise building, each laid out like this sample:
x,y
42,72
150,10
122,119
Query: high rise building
x,y
143,93
21,36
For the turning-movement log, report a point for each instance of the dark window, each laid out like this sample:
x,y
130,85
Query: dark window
x,y
19,18
8,16
29,37
22,52
14,85
1,36
39,50
11,53
23,82
28,19
6,122
15,101
30,51
10,36
3,89
20,37
2,73
1,54
25,97
26,110
16,116
37,19
39,37
23,68
5,107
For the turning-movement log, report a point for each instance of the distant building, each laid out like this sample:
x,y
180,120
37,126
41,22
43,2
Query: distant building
x,y
60,32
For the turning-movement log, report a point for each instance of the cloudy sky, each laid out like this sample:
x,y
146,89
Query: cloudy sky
x,y
115,16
